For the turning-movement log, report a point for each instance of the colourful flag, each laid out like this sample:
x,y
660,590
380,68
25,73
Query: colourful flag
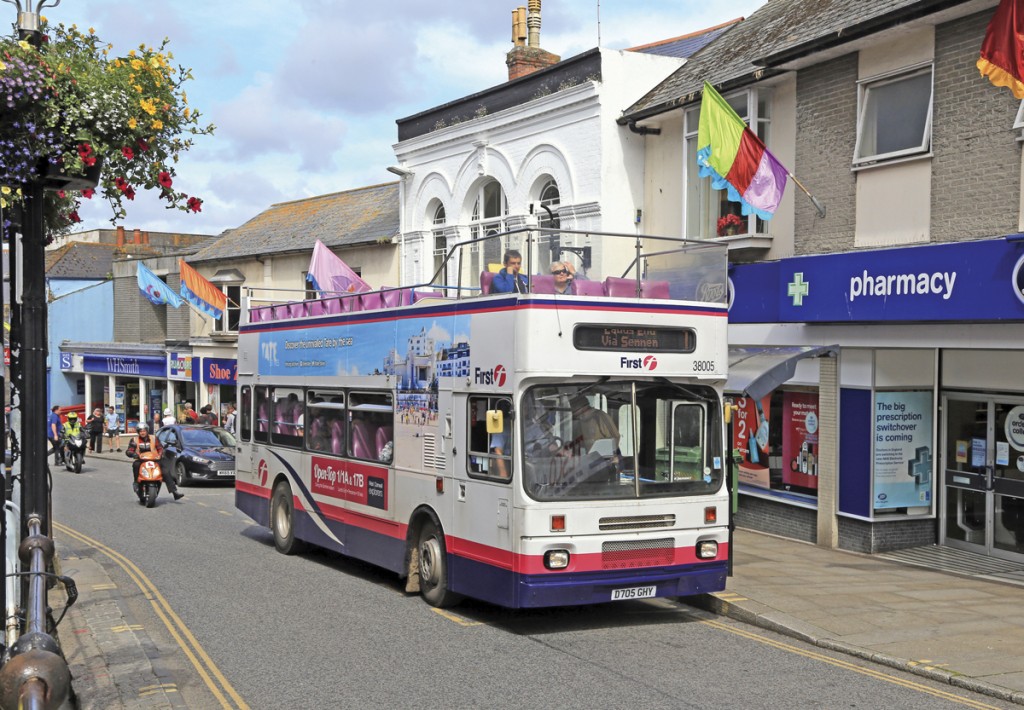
x,y
1002,52
736,159
328,272
153,288
201,293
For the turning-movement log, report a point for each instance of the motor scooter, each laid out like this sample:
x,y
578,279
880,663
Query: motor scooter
x,y
150,477
74,450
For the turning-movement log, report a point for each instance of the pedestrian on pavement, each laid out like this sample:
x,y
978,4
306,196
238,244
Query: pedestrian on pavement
x,y
113,427
229,420
94,425
190,416
53,434
168,419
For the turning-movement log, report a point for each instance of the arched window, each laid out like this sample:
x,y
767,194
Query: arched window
x,y
550,198
440,240
489,209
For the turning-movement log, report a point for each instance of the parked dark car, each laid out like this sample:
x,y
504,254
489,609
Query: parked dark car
x,y
196,452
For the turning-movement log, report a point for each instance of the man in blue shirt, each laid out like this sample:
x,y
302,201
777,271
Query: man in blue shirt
x,y
53,434
509,280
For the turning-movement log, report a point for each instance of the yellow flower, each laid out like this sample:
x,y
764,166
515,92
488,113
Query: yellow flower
x,y
24,45
5,190
132,123
157,124
92,30
187,111
137,88
2,66
3,203
147,106
137,64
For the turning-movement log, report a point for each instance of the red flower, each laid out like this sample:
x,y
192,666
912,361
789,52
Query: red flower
x,y
88,192
128,153
143,146
195,204
84,150
60,194
129,193
74,216
164,179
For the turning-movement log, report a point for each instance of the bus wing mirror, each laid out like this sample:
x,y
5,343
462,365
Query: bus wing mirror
x,y
495,421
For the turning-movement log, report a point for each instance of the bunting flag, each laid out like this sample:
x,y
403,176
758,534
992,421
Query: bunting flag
x,y
153,288
736,159
1002,51
328,272
201,293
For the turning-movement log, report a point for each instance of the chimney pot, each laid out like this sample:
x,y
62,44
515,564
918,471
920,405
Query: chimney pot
x,y
120,236
137,236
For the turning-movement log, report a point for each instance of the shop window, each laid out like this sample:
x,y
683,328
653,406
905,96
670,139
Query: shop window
x,y
371,426
894,117
490,455
325,412
775,443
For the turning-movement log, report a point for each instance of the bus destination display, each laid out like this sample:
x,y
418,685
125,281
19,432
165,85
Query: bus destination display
x,y
618,338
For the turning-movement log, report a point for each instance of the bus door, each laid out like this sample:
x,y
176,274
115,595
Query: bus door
x,y
483,469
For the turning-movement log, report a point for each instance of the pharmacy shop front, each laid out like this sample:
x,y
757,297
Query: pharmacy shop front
x,y
919,421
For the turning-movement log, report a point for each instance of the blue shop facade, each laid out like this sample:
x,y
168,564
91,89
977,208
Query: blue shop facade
x,y
142,380
913,433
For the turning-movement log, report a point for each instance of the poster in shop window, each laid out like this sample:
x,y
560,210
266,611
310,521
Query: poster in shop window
x,y
800,439
903,449
750,441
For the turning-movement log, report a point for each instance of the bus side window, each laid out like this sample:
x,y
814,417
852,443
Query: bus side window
x,y
245,415
371,423
490,454
262,433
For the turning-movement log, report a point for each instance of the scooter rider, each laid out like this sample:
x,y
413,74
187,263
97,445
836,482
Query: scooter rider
x,y
72,427
143,443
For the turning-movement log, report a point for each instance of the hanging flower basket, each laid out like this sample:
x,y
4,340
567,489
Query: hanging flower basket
x,y
54,176
82,120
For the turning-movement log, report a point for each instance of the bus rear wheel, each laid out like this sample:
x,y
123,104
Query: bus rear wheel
x,y
282,521
433,561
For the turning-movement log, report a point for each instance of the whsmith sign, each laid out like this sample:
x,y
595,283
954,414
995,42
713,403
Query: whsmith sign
x,y
961,281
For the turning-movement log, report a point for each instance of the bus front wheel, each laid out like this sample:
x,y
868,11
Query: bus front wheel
x,y
282,520
433,561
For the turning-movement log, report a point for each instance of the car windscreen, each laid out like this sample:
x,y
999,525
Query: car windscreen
x,y
202,438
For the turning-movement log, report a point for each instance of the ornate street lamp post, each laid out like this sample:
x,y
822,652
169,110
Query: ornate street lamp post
x,y
34,674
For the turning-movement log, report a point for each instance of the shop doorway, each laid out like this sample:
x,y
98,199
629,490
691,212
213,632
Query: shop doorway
x,y
983,475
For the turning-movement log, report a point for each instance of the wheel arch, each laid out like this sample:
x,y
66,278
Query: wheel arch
x,y
419,516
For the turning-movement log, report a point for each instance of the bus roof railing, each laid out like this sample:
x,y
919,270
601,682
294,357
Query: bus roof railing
x,y
655,267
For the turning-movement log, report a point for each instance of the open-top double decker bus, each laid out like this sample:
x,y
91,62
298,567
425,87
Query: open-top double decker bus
x,y
528,449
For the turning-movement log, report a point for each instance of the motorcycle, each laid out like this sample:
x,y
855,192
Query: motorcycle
x,y
150,478
74,450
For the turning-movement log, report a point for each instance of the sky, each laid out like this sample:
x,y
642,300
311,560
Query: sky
x,y
305,93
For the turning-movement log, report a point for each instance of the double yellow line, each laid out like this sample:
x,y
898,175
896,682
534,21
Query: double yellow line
x,y
204,665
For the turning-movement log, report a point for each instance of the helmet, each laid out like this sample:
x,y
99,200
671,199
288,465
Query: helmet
x,y
142,427
72,416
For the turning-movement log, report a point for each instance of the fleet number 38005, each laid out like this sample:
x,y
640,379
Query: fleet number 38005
x,y
703,365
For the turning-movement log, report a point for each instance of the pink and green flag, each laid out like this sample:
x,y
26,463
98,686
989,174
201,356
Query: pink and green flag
x,y
736,159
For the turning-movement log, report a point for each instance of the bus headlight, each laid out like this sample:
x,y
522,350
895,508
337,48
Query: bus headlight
x,y
556,559
707,550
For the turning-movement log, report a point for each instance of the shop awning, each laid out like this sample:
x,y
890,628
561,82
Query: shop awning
x,y
756,371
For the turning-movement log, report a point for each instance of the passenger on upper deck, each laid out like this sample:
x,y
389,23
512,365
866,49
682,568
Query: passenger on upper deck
x,y
509,280
563,274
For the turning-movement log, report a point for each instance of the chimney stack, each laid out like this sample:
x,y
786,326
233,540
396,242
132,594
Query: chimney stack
x,y
527,58
120,235
137,236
